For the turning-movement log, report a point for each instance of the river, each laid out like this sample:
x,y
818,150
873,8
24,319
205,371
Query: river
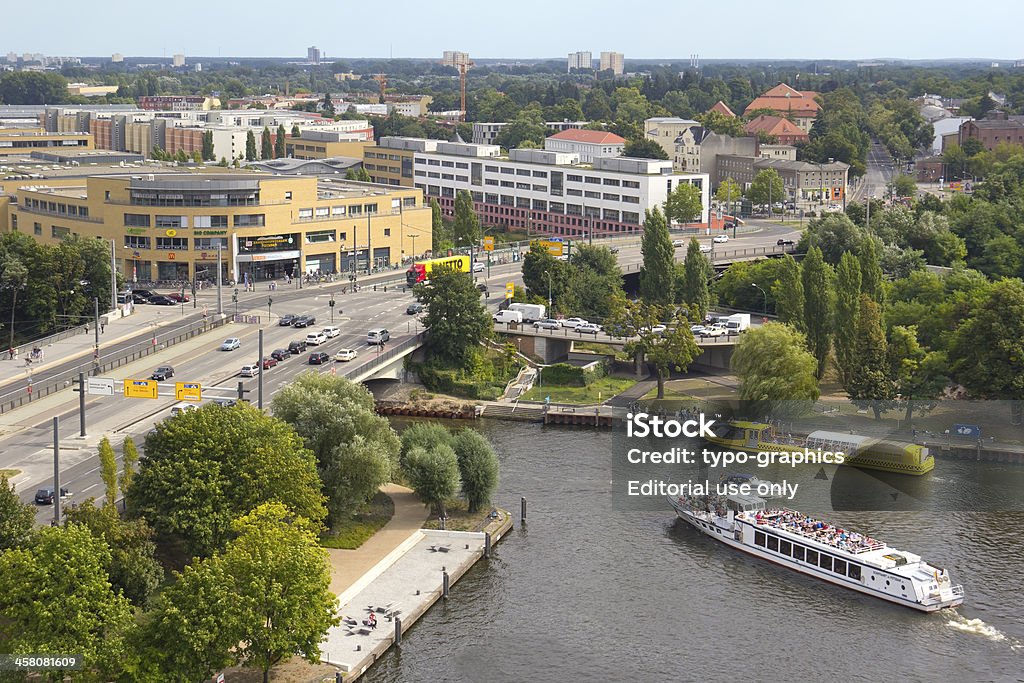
x,y
587,591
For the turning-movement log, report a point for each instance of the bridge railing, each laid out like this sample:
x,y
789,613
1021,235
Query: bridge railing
x,y
383,357
601,338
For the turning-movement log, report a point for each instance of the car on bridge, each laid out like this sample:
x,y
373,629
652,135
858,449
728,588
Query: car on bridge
x,y
588,328
286,320
280,354
297,347
316,338
716,330
720,239
573,323
250,370
706,248
44,496
345,355
678,243
785,243
230,344
548,324
269,362
697,329
414,308
162,373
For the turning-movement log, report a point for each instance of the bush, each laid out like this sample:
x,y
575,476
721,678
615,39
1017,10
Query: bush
x,y
566,375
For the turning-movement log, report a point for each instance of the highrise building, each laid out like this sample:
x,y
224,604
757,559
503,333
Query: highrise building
x,y
580,60
178,61
613,61
454,58
117,58
313,55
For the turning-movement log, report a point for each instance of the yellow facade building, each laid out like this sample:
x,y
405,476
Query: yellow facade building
x,y
26,140
171,226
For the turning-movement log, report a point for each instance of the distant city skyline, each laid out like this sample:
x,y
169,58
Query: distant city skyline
x,y
806,29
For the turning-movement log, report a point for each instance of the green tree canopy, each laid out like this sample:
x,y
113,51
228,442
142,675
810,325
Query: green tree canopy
x,y
16,519
987,350
869,382
250,146
466,225
478,468
684,204
834,234
777,373
434,474
766,188
643,148
848,281
456,322
729,192
656,277
819,306
697,272
266,146
788,293
672,349
279,144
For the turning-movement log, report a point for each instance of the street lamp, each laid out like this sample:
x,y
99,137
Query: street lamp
x,y
413,236
765,310
234,297
270,300
548,273
331,303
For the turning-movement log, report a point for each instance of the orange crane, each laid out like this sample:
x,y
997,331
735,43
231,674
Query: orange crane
x,y
463,66
383,80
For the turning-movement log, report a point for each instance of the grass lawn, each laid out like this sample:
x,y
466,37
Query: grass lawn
x,y
352,532
598,391
9,473
459,519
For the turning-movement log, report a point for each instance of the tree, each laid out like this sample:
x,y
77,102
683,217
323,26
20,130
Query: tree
x,y
870,271
250,146
130,458
684,204
789,295
777,374
697,271
672,349
594,281
656,277
206,467
440,234
281,579
13,279
818,306
466,226
543,273
16,519
729,192
33,87
904,186
456,322
722,124
56,597
527,127
131,564
834,234
434,474
296,132
207,153
266,146
356,449
108,471
987,349
596,106
425,435
327,104
847,310
478,467
358,173
869,383
766,188
279,146
643,148
920,376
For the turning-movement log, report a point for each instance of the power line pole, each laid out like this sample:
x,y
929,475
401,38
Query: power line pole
x,y
113,275
220,297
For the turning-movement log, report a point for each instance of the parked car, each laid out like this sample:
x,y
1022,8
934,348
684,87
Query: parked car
x,y
319,358
226,402
720,239
230,344
548,324
331,331
286,320
573,323
614,250
142,294
250,370
588,328
297,347
696,329
785,243
182,408
178,297
678,243
163,372
304,321
280,354
478,266
345,355
44,496
269,362
414,308
316,338
706,248
160,300
377,335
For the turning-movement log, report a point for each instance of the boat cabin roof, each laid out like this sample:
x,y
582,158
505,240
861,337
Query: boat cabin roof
x,y
743,503
743,424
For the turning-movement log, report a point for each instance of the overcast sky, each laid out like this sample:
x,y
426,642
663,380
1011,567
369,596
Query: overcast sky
x,y
519,28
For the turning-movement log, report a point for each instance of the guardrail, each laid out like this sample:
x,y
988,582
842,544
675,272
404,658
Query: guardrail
x,y
380,358
600,338
33,390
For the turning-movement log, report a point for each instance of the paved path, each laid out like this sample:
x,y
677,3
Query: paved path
x,y
347,566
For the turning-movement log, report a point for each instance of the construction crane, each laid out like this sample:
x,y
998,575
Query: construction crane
x,y
463,67
383,80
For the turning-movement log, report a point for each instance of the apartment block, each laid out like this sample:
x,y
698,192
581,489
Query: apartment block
x,y
22,140
613,61
580,60
588,144
665,129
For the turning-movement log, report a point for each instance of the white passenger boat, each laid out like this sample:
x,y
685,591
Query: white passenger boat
x,y
821,550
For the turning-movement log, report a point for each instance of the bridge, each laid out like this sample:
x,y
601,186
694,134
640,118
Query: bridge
x,y
556,345
384,363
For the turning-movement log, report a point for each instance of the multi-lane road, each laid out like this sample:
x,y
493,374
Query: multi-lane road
x,y
28,447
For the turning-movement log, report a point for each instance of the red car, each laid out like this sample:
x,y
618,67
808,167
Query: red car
x,y
176,296
269,362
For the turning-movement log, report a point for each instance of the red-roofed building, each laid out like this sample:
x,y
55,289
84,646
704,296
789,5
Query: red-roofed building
x,y
723,109
787,101
783,130
589,144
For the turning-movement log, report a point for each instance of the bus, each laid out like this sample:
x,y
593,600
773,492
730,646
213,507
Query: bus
x,y
421,270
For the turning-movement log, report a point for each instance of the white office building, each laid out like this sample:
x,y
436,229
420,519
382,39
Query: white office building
x,y
588,144
580,60
613,61
545,191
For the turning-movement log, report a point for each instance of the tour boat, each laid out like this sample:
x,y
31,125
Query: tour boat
x,y
821,550
860,451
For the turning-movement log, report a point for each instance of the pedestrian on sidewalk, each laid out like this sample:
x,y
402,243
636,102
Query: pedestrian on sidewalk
x,y
10,353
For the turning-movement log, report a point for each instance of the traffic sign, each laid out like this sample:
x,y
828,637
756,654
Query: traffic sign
x,y
188,391
489,243
510,290
99,386
967,430
140,388
555,246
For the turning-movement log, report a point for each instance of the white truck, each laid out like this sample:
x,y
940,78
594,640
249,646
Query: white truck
x,y
737,322
509,316
531,312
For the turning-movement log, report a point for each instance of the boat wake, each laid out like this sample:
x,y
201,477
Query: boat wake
x,y
979,627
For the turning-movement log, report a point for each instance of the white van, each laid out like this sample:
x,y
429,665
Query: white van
x,y
507,316
181,408
377,335
331,331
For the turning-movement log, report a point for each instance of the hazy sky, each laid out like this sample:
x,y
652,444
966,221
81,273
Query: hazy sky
x,y
518,28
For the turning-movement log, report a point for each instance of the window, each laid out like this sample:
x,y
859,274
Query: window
x,y
523,171
421,161
574,193
508,170
592,195
540,205
338,210
491,198
593,181
812,556
825,562
631,217
172,243
523,202
250,220
507,183
319,236
785,547
448,164
839,566
409,202
611,197
209,243
853,571
611,181
172,221
37,228
574,209
461,164
355,210
491,169
491,181
631,183
303,214
629,199
136,242
611,215
447,176
433,174
462,178
322,211
522,186
773,543
477,173
387,232
136,220
556,183
759,538
539,188
798,552
447,191
434,162
477,196
507,201
288,196
556,207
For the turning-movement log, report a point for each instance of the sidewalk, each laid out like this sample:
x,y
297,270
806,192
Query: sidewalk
x,y
348,566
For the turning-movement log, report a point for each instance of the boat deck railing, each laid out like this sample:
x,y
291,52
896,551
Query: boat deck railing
x,y
862,544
